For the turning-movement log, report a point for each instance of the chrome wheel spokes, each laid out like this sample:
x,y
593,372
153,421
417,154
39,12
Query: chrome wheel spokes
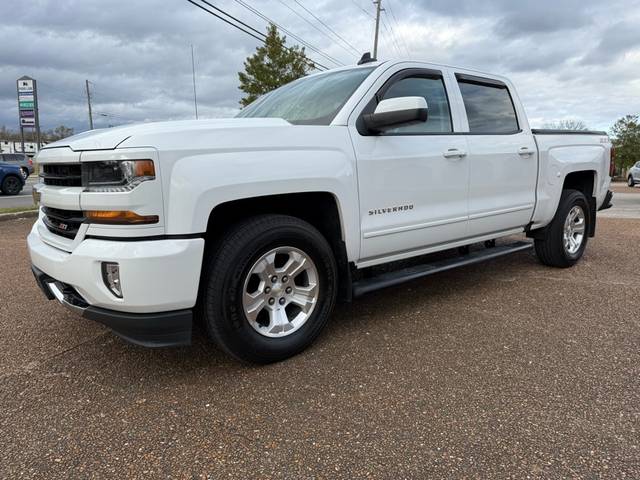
x,y
574,230
280,292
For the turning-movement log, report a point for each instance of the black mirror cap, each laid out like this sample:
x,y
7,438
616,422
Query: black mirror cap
x,y
379,122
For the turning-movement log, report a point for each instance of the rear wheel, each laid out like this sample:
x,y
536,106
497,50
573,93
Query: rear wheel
x,y
11,185
269,288
565,238
630,181
25,173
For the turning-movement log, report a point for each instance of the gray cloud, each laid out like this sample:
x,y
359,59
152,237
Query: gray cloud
x,y
615,41
569,58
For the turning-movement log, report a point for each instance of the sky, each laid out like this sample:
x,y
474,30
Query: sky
x,y
569,59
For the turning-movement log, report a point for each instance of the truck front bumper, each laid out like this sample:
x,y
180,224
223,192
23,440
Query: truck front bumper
x,y
146,329
159,280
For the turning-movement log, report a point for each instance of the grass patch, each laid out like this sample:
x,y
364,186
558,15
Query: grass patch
x,y
18,209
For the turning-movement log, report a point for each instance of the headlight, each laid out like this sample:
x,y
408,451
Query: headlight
x,y
116,175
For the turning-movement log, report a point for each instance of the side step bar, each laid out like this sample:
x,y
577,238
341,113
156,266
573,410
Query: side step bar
x,y
397,277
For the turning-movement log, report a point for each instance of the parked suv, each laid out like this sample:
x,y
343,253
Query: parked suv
x,y
634,175
20,159
11,180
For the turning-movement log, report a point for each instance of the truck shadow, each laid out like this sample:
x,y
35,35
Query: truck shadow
x,y
385,316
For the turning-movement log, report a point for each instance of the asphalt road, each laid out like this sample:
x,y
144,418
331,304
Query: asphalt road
x,y
503,370
23,199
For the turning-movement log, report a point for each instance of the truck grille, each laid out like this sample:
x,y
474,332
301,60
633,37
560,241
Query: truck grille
x,y
62,174
65,223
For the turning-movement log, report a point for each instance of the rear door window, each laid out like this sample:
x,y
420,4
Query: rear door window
x,y
489,106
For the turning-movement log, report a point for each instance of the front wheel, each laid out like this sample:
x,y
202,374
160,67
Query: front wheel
x,y
25,173
269,288
11,185
565,238
630,181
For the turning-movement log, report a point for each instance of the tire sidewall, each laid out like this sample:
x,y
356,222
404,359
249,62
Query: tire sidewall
x,y
227,310
5,186
574,198
630,181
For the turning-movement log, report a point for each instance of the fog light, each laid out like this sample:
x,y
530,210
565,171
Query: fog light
x,y
111,277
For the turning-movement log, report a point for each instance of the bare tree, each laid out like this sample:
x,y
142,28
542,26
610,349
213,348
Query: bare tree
x,y
570,124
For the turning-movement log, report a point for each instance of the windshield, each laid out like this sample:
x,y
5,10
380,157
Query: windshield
x,y
312,100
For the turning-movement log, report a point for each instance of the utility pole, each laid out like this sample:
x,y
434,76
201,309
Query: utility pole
x,y
193,73
86,82
378,4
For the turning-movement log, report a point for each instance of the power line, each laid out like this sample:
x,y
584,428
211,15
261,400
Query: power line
x,y
392,38
328,28
227,21
315,26
112,115
288,32
261,38
234,18
362,9
395,19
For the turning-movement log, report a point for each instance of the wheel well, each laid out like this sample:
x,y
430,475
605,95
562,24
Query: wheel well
x,y
320,209
583,181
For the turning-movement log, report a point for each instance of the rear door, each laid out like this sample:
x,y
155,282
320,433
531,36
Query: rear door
x,y
413,179
503,158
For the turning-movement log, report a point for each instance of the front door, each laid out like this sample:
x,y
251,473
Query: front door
x,y
412,180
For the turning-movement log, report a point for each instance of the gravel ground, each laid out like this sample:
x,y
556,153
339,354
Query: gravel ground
x,y
502,370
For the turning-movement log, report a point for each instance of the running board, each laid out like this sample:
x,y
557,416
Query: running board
x,y
397,277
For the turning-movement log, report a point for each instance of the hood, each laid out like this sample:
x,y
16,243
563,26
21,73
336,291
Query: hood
x,y
111,138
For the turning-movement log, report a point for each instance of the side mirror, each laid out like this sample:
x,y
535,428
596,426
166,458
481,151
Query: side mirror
x,y
396,112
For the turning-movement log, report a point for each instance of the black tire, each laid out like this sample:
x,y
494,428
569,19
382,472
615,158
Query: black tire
x,y
11,185
550,249
631,182
25,173
229,264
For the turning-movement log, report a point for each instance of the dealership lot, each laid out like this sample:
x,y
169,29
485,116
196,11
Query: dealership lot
x,y
507,369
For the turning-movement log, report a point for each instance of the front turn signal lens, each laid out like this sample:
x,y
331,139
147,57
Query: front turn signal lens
x,y
144,168
118,217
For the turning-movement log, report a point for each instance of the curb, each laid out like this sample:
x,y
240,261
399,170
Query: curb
x,y
16,215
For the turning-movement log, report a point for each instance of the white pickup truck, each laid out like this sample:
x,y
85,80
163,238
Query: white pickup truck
x,y
254,226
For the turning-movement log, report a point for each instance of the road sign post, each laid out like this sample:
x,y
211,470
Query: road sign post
x,y
28,107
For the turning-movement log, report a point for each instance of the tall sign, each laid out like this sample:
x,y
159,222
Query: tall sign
x,y
28,107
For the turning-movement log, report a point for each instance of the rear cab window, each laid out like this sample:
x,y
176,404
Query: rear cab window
x,y
488,104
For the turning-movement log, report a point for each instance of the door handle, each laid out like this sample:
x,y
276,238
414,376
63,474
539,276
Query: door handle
x,y
454,153
526,151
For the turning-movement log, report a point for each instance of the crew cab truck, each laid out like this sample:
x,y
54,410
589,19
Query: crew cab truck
x,y
256,225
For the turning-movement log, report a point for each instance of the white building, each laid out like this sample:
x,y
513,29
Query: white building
x,y
30,148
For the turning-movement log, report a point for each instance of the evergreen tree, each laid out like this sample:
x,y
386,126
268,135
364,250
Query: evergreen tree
x,y
273,65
